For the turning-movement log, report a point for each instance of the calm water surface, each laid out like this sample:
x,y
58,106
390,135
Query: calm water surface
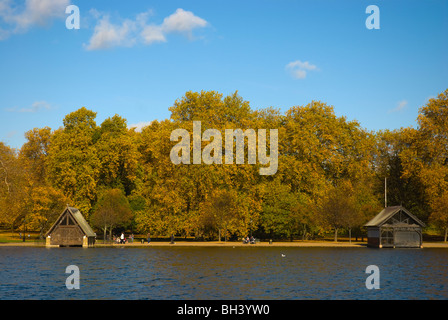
x,y
222,273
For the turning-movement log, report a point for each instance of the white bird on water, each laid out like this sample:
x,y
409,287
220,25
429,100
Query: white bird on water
x,y
283,255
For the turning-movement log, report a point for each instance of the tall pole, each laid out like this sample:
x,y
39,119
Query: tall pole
x,y
385,192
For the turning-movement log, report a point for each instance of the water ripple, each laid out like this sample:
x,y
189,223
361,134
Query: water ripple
x,y
222,273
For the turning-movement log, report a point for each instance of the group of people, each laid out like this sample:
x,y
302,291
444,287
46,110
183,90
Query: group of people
x,y
122,239
148,238
250,240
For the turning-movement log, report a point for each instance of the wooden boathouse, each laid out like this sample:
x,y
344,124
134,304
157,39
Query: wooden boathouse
x,y
394,227
70,229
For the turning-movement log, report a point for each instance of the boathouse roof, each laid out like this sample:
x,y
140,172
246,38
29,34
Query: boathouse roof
x,y
387,213
79,220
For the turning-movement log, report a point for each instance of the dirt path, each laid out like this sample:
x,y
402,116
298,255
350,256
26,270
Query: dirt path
x,y
305,244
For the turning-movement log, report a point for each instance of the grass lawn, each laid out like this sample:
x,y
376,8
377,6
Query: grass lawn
x,y
9,237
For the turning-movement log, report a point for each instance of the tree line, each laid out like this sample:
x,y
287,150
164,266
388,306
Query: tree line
x,y
330,175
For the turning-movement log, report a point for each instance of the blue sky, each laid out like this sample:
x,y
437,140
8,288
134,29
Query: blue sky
x,y
135,58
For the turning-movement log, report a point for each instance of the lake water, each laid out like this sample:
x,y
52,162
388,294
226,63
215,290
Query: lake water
x,y
210,273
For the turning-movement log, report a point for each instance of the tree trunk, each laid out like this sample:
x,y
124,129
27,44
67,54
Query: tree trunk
x,y
105,231
24,232
110,233
219,235
446,233
350,235
304,232
335,234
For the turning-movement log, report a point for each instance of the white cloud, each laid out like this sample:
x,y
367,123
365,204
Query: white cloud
x,y
20,19
182,21
35,107
107,35
139,126
298,73
40,11
131,32
302,65
298,69
401,105
153,33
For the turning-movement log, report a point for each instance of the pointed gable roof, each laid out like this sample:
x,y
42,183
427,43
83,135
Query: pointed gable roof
x,y
387,213
79,220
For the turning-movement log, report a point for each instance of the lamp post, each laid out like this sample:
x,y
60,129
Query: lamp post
x,y
385,185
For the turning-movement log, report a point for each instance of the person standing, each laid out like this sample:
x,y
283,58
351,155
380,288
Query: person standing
x,y
148,237
122,238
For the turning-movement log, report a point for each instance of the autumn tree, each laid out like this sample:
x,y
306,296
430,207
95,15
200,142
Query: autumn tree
x,y
35,151
117,154
46,201
212,109
73,164
221,210
175,193
13,197
325,161
165,188
426,154
337,208
439,215
402,187
318,147
20,191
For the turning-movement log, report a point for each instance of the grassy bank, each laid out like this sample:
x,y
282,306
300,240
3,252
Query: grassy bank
x,y
8,238
17,237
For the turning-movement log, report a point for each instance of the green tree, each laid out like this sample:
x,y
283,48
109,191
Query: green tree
x,y
337,208
284,212
112,210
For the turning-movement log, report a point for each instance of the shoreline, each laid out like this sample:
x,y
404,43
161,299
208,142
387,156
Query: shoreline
x,y
296,244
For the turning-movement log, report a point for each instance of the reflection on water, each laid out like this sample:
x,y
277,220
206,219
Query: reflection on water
x,y
222,273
